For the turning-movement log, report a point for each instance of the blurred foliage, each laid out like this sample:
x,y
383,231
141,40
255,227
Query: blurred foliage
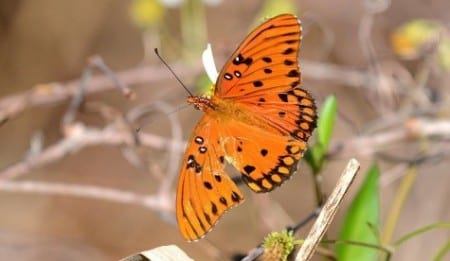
x,y
193,29
444,53
362,215
203,85
416,38
271,8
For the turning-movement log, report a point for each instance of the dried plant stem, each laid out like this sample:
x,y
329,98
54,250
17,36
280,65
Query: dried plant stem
x,y
328,212
80,137
86,191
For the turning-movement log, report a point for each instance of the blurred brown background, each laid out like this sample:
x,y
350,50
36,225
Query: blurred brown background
x,y
50,40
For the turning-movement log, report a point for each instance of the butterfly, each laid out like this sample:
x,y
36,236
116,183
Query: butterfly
x,y
258,120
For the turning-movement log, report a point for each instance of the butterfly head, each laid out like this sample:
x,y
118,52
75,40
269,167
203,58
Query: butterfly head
x,y
201,103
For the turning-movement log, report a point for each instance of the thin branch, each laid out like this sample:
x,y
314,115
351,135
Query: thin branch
x,y
365,146
86,191
328,212
411,130
53,93
176,133
78,137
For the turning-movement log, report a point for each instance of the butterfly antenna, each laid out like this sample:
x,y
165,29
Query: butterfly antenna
x,y
173,73
157,118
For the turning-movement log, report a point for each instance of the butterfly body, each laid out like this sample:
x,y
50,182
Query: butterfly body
x,y
258,120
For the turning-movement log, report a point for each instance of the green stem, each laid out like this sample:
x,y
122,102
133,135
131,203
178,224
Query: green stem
x,y
420,231
193,28
318,189
397,205
442,252
385,249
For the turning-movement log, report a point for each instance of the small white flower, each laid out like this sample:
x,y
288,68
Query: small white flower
x,y
171,3
208,63
177,3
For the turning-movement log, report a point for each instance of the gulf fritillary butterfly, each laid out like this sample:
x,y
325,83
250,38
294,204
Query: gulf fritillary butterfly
x,y
258,120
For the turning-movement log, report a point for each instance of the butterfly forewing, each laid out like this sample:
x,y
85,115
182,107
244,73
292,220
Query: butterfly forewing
x,y
204,191
266,59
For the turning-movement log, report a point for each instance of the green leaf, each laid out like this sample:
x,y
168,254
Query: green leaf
x,y
325,123
364,210
314,157
316,154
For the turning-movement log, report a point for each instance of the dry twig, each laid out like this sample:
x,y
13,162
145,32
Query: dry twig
x,y
328,211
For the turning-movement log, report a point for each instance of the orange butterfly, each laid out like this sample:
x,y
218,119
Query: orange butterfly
x,y
258,120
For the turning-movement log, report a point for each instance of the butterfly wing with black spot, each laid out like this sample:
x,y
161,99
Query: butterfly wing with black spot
x,y
266,60
204,190
262,79
264,158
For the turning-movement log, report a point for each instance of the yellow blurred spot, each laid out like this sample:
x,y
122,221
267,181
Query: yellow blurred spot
x,y
409,40
145,13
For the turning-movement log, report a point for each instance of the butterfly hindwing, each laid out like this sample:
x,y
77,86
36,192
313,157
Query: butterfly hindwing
x,y
265,159
291,112
204,191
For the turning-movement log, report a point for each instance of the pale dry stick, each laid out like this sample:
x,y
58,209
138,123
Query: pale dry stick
x,y
328,212
177,135
95,62
152,202
385,90
365,146
58,92
338,74
410,130
80,137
